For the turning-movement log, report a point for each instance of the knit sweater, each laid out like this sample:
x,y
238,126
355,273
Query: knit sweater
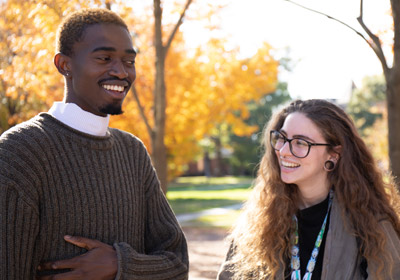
x,y
57,181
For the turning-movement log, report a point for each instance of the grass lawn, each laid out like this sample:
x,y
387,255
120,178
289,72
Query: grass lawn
x,y
193,194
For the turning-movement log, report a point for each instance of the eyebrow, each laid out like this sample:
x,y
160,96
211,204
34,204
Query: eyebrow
x,y
299,136
111,49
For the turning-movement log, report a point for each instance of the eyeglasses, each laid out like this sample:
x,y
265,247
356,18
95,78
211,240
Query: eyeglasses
x,y
300,148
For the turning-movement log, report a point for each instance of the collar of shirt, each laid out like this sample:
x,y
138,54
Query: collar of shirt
x,y
73,116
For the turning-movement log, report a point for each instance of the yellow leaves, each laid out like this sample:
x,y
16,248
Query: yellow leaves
x,y
29,82
206,87
376,137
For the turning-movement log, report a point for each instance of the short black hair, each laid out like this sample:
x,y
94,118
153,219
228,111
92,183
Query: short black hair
x,y
72,28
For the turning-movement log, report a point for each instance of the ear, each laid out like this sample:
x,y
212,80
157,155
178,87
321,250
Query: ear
x,y
336,152
62,63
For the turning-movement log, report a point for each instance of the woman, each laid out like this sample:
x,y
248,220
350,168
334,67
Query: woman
x,y
320,208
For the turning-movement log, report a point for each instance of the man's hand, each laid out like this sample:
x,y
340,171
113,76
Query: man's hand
x,y
100,262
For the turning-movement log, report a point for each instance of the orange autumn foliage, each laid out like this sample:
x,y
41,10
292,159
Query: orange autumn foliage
x,y
29,83
206,87
204,90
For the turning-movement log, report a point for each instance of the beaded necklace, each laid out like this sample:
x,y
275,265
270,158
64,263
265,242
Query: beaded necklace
x,y
295,260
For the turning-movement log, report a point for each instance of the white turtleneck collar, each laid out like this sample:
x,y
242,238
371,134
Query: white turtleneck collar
x,y
73,116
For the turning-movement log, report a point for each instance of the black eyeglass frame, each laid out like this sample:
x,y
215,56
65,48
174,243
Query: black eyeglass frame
x,y
285,139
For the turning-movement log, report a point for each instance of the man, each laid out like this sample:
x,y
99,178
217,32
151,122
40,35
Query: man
x,y
79,200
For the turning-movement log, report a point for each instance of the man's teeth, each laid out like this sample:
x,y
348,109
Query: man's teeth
x,y
114,87
289,164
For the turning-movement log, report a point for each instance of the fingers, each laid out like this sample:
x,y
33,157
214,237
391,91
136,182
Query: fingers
x,y
83,242
98,262
62,264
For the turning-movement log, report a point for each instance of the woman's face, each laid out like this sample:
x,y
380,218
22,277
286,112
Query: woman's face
x,y
304,172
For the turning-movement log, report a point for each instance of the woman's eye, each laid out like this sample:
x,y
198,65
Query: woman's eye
x,y
280,138
300,143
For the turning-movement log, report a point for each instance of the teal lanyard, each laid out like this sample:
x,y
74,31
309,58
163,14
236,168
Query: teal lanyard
x,y
295,261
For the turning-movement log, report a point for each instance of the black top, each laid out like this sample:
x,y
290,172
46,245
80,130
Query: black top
x,y
310,222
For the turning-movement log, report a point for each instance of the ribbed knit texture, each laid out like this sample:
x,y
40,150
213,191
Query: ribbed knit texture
x,y
55,180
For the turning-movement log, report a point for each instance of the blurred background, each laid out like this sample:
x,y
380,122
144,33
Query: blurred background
x,y
227,65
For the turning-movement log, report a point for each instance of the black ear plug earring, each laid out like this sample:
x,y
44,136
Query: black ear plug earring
x,y
329,165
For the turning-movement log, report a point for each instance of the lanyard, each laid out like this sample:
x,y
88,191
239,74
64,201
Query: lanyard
x,y
295,261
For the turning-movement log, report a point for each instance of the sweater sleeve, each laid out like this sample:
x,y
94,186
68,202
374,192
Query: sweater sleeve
x,y
166,255
19,220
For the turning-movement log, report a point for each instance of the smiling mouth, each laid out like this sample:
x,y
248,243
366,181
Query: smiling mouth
x,y
115,91
115,88
289,164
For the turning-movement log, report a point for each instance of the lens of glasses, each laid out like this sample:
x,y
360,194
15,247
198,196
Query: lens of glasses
x,y
298,147
277,140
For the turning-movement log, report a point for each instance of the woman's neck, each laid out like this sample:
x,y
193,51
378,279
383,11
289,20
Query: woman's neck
x,y
309,196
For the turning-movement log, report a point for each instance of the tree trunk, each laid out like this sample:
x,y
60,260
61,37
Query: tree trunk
x,y
393,107
207,164
218,169
159,153
393,96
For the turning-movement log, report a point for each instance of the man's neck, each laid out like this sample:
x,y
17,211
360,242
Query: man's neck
x,y
73,116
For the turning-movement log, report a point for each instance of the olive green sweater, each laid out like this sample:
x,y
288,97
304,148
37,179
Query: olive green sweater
x,y
55,181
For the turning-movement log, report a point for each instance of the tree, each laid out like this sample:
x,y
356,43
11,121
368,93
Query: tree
x,y
377,140
157,132
367,107
392,78
28,82
204,89
203,86
363,100
246,149
170,141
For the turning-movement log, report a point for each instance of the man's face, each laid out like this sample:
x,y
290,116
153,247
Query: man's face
x,y
102,69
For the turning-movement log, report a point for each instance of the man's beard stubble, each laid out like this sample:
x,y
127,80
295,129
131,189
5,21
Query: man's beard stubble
x,y
112,109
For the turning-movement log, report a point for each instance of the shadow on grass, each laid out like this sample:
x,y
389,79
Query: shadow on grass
x,y
195,194
191,205
211,183
224,221
205,187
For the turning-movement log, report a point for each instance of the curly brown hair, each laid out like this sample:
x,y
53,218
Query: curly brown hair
x,y
72,28
262,241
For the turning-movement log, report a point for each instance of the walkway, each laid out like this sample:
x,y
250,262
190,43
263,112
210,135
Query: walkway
x,y
207,246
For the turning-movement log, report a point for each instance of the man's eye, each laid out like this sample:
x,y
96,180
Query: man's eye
x,y
130,62
104,58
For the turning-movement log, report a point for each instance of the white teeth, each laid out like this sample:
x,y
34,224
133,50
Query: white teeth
x,y
114,87
289,164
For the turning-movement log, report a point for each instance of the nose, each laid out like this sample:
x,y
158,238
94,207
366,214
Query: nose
x,y
118,70
285,150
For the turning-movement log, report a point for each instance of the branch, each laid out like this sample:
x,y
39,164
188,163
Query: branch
x,y
141,110
332,18
376,46
178,24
